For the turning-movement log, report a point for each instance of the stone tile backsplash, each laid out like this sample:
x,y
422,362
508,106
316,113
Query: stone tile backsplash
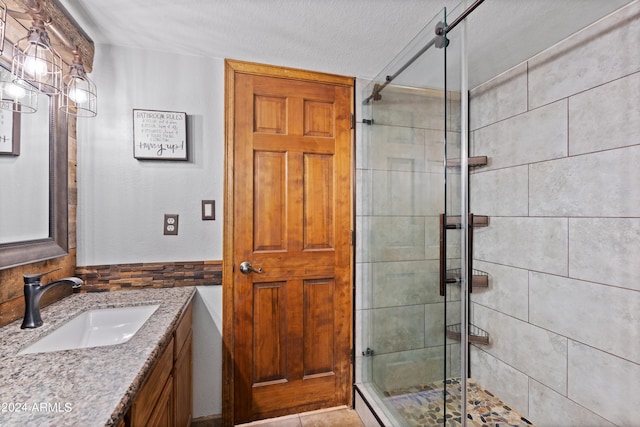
x,y
112,277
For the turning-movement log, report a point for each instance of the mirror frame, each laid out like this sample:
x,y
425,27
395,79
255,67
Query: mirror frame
x,y
57,243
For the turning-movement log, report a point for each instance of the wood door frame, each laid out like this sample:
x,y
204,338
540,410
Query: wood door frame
x,y
233,67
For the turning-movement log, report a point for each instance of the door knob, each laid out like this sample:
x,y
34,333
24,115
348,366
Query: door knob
x,y
246,268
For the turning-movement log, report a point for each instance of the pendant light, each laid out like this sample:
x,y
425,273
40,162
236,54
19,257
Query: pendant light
x,y
36,62
16,96
79,95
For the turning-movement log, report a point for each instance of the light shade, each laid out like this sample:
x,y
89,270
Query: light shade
x,y
79,97
36,62
17,96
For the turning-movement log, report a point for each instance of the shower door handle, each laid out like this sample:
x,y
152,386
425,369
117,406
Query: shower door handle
x,y
246,268
469,277
443,253
453,223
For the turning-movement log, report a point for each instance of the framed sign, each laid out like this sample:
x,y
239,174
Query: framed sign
x,y
159,135
9,131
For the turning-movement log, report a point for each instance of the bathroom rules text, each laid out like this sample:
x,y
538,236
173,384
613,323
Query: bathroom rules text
x,y
159,135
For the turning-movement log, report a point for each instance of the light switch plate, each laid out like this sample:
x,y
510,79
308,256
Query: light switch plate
x,y
170,224
208,210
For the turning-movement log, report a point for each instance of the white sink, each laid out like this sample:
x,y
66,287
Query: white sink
x,y
94,328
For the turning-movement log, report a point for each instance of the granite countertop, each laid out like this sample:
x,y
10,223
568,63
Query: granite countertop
x,y
83,387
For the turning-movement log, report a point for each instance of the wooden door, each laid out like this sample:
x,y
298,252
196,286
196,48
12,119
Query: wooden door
x,y
292,220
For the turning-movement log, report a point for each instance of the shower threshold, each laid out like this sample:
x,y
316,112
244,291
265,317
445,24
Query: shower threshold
x,y
421,406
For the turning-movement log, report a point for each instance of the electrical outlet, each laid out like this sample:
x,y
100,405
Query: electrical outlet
x,y
170,224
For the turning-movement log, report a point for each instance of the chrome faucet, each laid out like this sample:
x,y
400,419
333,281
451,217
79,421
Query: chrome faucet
x,y
33,291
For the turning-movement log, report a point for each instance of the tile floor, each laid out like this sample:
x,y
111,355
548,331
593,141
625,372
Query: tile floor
x,y
420,406
334,417
423,406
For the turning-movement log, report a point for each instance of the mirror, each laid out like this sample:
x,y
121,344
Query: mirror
x,y
33,186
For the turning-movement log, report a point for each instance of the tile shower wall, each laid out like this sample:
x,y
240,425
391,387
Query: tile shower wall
x,y
400,313
563,244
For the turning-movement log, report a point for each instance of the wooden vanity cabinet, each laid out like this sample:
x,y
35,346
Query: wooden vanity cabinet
x,y
166,398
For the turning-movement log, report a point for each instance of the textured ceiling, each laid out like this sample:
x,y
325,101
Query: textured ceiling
x,y
349,37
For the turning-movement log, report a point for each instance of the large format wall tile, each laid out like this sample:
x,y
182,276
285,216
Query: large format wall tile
x,y
396,238
605,117
499,98
601,53
454,112
362,147
453,183
500,379
535,136
388,144
393,371
534,243
420,194
453,314
364,298
415,108
405,283
605,250
434,324
432,239
594,184
548,408
508,290
534,351
363,240
454,363
364,192
363,337
397,328
501,192
604,383
601,316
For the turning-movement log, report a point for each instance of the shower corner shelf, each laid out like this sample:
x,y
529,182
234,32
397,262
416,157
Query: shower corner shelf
x,y
476,335
473,162
479,278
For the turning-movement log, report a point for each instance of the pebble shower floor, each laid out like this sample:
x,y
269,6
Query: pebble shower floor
x,y
421,406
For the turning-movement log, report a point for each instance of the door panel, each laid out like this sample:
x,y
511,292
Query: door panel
x,y
318,202
269,332
292,219
318,327
270,201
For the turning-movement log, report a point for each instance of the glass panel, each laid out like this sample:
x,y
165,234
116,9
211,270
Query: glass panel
x,y
404,354
456,218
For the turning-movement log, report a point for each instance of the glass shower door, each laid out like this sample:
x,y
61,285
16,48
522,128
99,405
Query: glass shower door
x,y
407,367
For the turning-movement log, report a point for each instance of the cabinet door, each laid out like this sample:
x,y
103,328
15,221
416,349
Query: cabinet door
x,y
162,415
183,384
151,391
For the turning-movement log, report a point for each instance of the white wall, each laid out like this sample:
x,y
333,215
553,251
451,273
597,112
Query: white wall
x,y
562,132
207,351
121,200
